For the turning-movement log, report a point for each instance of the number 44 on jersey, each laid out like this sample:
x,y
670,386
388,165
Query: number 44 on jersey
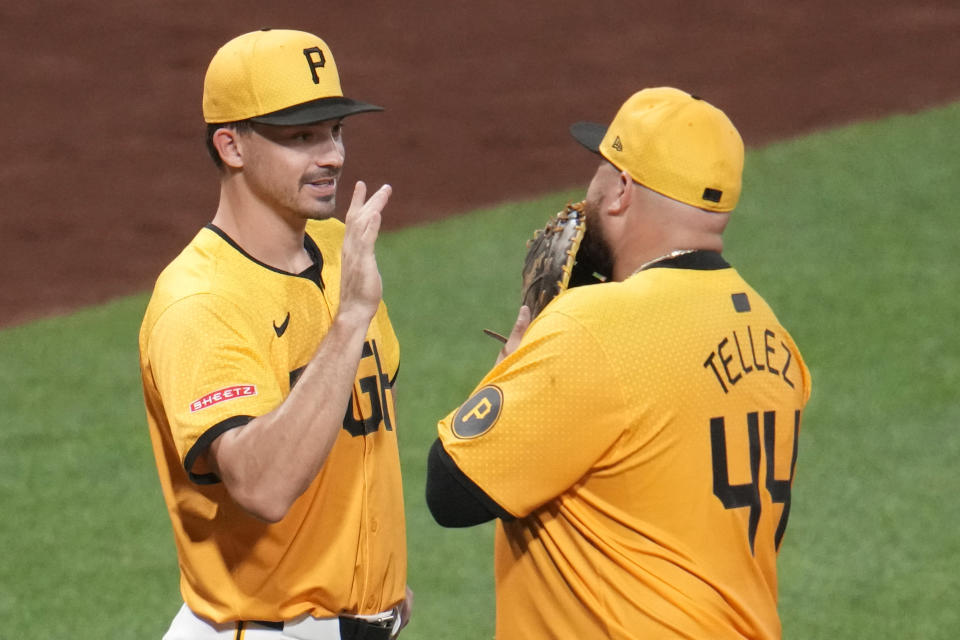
x,y
736,496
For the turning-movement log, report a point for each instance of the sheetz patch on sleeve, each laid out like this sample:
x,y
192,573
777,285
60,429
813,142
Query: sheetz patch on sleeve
x,y
477,415
222,395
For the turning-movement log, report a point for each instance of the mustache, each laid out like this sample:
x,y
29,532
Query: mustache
x,y
322,174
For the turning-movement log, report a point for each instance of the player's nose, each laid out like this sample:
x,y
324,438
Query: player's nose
x,y
329,152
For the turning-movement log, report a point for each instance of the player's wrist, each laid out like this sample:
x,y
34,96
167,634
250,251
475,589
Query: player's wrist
x,y
354,317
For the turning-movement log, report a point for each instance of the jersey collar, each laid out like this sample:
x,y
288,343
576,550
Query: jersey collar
x,y
701,260
314,272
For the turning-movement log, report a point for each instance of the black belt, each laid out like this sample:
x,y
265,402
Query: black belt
x,y
352,628
360,629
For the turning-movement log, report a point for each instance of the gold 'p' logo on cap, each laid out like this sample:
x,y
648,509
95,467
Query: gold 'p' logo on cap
x,y
478,414
316,60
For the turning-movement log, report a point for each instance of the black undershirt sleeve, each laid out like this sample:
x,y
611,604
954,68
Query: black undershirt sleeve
x,y
454,499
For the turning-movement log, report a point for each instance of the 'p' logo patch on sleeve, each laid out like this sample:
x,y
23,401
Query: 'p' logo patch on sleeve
x,y
477,415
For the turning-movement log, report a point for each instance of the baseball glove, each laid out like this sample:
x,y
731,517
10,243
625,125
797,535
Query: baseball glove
x,y
552,264
555,261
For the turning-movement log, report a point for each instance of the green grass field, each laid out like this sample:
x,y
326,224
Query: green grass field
x,y
851,235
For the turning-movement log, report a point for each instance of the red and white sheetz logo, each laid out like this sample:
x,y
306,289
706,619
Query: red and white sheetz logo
x,y
228,393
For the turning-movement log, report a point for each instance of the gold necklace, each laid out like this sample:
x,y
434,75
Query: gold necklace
x,y
667,256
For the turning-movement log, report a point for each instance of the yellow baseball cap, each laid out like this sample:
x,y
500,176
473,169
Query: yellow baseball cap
x,y
276,76
673,143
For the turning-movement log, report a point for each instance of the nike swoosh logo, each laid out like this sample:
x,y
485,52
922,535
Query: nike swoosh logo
x,y
282,329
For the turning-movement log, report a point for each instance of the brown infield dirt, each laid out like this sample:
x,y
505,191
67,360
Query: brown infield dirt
x,y
105,176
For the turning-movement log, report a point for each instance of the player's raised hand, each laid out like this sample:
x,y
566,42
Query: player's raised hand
x,y
360,284
516,335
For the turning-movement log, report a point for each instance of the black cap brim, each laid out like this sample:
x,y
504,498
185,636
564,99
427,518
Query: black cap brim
x,y
316,111
589,134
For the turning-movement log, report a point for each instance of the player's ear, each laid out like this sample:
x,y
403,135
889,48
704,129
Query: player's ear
x,y
623,194
227,143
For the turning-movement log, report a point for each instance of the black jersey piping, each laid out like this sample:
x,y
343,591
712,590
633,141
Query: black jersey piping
x,y
203,443
314,252
308,244
701,260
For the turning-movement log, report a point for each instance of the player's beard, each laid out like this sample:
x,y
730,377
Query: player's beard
x,y
326,208
594,253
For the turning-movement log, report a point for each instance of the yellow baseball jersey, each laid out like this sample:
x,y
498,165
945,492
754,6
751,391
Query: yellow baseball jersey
x,y
644,434
223,341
